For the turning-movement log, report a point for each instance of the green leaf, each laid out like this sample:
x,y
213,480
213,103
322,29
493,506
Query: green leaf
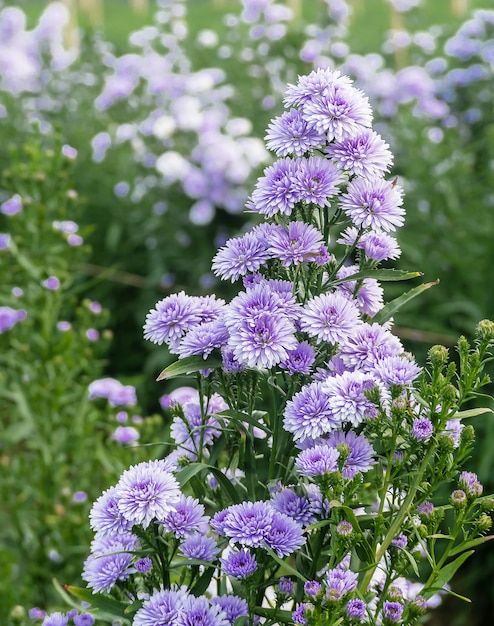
x,y
286,569
395,305
189,365
185,475
471,413
471,544
203,582
109,606
382,275
239,417
447,573
274,615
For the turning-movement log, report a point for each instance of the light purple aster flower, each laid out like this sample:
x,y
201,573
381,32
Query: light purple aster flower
x,y
229,363
55,619
203,339
289,134
298,616
393,611
84,619
163,607
400,541
338,112
199,612
239,564
285,535
9,317
285,586
375,203
359,458
422,429
12,206
316,180
470,483
301,242
397,370
113,390
318,460
172,317
125,435
356,609
143,565
288,502
105,516
329,317
240,256
263,341
312,588
346,397
36,613
4,241
232,606
369,296
453,429
314,84
339,582
368,345
109,562
275,192
147,491
186,516
365,154
198,546
376,245
308,414
426,508
247,523
300,359
194,426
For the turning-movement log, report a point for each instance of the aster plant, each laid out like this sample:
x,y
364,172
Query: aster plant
x,y
316,470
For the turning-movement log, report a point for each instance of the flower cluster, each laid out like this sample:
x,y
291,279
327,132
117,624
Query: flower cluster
x,y
302,482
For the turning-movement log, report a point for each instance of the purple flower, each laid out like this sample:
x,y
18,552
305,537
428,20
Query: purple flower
x,y
298,614
198,546
9,317
392,611
112,389
376,245
290,134
12,205
79,496
339,112
397,370
105,516
300,359
195,427
240,256
470,483
318,460
368,345
344,528
52,283
275,191
285,586
239,564
109,562
125,435
355,609
301,242
426,508
314,84
297,507
316,180
285,535
171,319
143,565
346,397
199,612
400,541
4,241
308,414
55,619
368,294
422,429
37,613
84,619
185,517
69,151
339,582
453,430
163,607
248,522
147,491
358,452
329,317
233,607
365,154
203,339
374,203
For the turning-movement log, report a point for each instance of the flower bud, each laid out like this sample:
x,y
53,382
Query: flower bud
x,y
438,356
485,331
459,498
17,614
483,523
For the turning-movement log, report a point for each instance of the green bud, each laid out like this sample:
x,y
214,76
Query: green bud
x,y
463,346
488,504
18,614
449,395
484,522
485,331
467,434
438,356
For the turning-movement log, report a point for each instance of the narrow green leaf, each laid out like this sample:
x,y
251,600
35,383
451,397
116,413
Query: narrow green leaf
x,y
471,413
188,365
188,472
98,601
203,582
274,615
287,569
395,305
240,417
382,275
471,544
447,573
